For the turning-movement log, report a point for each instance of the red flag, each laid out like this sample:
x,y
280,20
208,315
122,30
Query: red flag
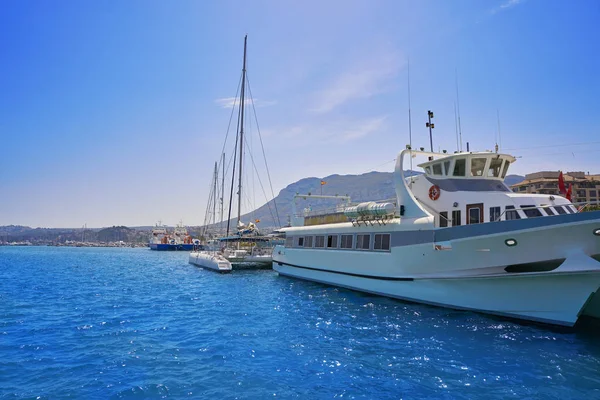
x,y
570,192
561,184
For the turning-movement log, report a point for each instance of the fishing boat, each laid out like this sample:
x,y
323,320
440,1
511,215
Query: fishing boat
x,y
246,247
458,237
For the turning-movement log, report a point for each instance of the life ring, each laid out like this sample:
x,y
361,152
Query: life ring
x,y
434,192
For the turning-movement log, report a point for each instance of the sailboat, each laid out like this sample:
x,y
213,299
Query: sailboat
x,y
246,247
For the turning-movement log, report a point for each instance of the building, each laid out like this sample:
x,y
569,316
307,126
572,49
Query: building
x,y
586,187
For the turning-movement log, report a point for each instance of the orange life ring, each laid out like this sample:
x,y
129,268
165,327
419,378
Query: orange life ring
x,y
434,192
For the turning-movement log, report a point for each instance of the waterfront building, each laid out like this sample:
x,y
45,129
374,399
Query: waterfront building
x,y
586,187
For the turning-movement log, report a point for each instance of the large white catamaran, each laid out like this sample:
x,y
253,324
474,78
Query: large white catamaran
x,y
458,237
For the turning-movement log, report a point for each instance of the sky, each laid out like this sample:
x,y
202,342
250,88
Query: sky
x,y
114,113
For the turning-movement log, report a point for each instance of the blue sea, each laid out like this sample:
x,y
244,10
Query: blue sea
x,y
122,323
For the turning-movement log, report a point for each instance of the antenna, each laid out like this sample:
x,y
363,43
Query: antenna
x,y
456,127
499,144
458,107
430,125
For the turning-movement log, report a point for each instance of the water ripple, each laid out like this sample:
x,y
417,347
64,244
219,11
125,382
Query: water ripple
x,y
133,324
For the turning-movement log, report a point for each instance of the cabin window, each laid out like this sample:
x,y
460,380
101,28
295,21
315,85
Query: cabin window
x,y
300,242
428,170
505,169
474,215
332,241
443,219
572,209
495,214
363,242
308,241
568,209
560,210
459,167
531,212
346,241
437,169
456,218
447,167
382,241
494,168
511,213
548,210
320,241
289,241
477,166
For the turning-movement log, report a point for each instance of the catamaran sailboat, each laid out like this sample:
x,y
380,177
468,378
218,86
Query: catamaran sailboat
x,y
458,237
246,247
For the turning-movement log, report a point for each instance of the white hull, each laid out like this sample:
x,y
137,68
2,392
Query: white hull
x,y
469,273
210,260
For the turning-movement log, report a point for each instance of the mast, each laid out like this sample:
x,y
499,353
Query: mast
x,y
215,180
242,105
222,187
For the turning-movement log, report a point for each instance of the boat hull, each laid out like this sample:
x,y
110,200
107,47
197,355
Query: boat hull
x,y
210,260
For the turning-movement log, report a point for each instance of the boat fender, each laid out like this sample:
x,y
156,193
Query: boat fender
x,y
434,192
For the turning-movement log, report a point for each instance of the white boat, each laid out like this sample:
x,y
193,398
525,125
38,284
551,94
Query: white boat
x,y
246,248
458,237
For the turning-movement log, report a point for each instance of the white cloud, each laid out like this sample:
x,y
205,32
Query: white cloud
x,y
228,102
361,82
507,4
339,132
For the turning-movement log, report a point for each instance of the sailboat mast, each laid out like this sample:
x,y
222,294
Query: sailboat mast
x,y
215,180
222,187
242,105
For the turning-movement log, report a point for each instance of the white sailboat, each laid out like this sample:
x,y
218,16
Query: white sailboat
x,y
246,247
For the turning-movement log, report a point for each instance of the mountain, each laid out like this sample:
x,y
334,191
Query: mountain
x,y
365,187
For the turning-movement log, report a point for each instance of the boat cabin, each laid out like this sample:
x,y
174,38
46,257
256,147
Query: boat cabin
x,y
468,188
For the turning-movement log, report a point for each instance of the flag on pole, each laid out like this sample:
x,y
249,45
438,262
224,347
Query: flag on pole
x,y
569,195
323,183
561,184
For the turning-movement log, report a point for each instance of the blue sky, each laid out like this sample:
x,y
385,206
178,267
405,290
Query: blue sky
x,y
113,113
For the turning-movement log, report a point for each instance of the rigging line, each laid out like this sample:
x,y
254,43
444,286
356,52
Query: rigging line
x,y
409,118
377,166
553,145
262,187
561,153
263,151
231,116
458,106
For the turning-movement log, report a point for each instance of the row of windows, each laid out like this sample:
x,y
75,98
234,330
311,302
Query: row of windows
x,y
478,167
475,216
363,241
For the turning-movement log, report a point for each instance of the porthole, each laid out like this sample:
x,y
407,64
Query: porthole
x,y
510,242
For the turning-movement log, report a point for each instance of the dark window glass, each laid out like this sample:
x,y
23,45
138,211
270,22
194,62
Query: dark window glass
x,y
593,193
443,219
437,169
363,242
474,215
301,241
511,213
531,212
505,169
308,241
346,242
381,241
494,168
456,218
332,241
560,210
319,241
548,210
495,214
459,167
477,166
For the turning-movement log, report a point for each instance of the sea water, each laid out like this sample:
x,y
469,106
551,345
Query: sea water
x,y
97,323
